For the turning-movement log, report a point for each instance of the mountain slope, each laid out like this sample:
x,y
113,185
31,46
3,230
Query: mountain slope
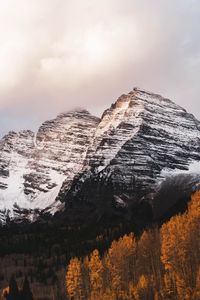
x,y
95,167
140,141
33,167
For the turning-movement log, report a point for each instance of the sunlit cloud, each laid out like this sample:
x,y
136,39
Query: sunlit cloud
x,y
59,54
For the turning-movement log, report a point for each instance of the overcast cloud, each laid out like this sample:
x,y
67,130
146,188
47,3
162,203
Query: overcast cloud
x,y
59,54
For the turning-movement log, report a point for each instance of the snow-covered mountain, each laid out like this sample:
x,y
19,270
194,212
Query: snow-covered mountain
x,y
141,140
116,161
34,166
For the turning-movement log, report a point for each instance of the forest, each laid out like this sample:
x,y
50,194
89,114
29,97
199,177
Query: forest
x,y
117,262
163,263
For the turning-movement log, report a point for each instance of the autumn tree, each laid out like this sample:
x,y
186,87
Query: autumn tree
x,y
149,253
96,270
181,248
74,279
5,292
163,264
120,262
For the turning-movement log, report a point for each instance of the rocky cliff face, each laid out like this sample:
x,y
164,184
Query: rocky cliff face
x,y
33,167
140,141
111,164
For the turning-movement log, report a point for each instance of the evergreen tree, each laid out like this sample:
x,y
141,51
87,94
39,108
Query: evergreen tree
x,y
26,293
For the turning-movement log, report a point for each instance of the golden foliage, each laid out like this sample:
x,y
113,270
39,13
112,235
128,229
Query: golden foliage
x,y
73,279
120,261
164,264
5,292
96,272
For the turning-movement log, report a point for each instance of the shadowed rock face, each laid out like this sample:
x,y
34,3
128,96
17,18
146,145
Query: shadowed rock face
x,y
142,139
99,167
173,194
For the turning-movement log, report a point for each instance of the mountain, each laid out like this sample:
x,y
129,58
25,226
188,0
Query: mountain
x,y
34,166
142,141
95,167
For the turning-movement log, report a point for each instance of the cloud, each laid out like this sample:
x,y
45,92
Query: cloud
x,y
59,54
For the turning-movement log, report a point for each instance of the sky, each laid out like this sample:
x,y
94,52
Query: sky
x,y
56,55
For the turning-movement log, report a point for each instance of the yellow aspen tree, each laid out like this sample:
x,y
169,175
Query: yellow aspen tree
x,y
142,282
149,252
181,247
194,205
181,287
142,287
112,262
133,292
193,238
74,280
174,245
85,276
108,295
120,262
96,270
129,250
169,289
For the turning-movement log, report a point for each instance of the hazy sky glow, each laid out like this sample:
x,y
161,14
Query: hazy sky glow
x,y
60,54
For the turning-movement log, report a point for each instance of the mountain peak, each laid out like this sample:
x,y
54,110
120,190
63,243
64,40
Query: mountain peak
x,y
74,112
152,97
140,138
124,155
